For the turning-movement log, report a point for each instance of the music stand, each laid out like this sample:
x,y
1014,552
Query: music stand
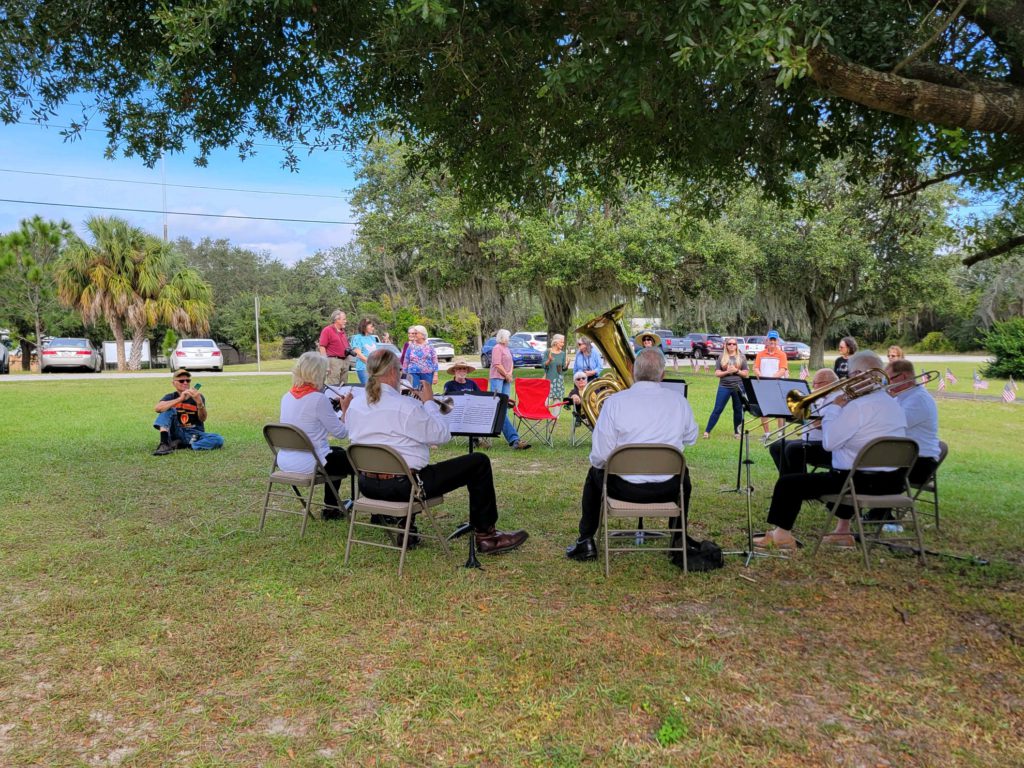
x,y
762,398
475,415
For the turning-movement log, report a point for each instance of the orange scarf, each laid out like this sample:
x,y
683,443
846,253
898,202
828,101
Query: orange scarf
x,y
302,390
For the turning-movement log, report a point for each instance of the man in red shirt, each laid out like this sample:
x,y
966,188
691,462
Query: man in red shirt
x,y
333,345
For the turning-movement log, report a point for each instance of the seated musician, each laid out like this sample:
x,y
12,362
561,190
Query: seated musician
x,y
844,431
644,413
306,406
460,383
922,417
410,425
794,455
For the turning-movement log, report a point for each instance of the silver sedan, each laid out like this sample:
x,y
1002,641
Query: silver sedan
x,y
70,353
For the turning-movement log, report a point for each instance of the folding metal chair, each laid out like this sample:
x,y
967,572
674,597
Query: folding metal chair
x,y
643,460
579,424
531,409
931,486
884,452
285,437
381,459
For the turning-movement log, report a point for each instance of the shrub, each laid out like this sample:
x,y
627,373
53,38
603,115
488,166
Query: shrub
x,y
935,341
1006,342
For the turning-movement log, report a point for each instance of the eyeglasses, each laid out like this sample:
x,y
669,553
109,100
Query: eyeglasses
x,y
183,381
730,343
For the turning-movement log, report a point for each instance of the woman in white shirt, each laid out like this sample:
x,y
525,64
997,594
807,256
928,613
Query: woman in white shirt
x,y
306,406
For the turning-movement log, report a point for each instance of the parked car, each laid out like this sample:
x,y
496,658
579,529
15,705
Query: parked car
x,y
197,354
755,344
445,351
538,341
523,355
5,360
70,353
701,345
796,350
669,340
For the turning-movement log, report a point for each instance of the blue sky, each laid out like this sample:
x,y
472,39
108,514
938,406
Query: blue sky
x,y
318,191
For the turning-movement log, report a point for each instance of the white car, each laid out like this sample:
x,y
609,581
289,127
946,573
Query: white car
x,y
197,354
445,351
537,341
70,353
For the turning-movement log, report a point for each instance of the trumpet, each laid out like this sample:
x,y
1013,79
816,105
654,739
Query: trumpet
x,y
445,404
803,406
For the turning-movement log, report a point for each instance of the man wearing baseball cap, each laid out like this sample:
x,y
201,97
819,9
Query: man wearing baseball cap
x,y
771,363
181,417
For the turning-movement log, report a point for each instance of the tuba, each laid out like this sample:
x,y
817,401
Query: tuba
x,y
607,333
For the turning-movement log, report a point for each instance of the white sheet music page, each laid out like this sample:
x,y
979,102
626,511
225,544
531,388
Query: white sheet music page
x,y
472,414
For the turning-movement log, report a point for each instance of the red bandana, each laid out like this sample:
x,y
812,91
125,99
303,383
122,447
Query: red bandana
x,y
301,391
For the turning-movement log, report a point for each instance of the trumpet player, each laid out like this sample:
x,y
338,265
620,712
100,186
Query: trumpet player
x,y
844,430
410,426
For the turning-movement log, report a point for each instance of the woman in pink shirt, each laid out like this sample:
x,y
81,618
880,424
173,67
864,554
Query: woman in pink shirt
x,y
501,382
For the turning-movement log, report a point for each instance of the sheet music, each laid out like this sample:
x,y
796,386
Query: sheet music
x,y
769,367
473,414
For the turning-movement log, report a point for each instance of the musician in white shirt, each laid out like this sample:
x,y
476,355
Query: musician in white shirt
x,y
794,455
410,425
845,430
922,417
305,406
645,413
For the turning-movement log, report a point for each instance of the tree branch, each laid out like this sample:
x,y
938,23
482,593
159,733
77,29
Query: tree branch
x,y
917,186
917,99
931,40
998,250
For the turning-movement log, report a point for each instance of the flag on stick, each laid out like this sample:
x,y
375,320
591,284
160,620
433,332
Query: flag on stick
x,y
804,373
942,385
950,377
979,383
1008,393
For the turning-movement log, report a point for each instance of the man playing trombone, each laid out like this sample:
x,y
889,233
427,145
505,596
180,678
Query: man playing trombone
x,y
922,418
845,430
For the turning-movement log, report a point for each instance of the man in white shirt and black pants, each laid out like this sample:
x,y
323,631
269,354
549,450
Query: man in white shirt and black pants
x,y
846,427
646,413
922,418
410,426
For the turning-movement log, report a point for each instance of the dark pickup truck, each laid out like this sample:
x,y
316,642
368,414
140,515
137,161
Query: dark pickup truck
x,y
700,345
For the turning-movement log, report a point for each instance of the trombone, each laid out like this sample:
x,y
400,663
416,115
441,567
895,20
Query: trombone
x,y
444,403
804,407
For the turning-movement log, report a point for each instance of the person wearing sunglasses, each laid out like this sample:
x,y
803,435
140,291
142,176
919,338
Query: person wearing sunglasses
x,y
731,369
181,417
588,360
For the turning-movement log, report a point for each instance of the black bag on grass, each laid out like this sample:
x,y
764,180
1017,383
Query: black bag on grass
x,y
700,556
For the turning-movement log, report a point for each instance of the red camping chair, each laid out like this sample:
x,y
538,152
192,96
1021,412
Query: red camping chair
x,y
531,409
484,384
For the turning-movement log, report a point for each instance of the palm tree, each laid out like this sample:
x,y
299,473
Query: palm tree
x,y
134,282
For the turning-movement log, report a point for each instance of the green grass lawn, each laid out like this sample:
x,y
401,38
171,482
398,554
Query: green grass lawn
x,y
143,622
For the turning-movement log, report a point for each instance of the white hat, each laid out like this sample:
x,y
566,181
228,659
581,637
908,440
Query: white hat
x,y
461,364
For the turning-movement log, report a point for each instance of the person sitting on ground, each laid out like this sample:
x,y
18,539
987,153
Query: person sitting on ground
x,y
306,406
646,413
922,418
844,431
792,456
410,426
181,418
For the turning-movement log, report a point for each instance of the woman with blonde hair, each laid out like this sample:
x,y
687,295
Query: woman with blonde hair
x,y
731,369
896,353
306,406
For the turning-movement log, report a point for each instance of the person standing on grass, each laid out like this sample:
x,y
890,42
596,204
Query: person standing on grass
x,y
363,343
771,363
181,418
731,369
500,376
554,367
333,345
847,348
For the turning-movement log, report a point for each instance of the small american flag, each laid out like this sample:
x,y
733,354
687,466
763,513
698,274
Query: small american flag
x,y
1013,384
979,383
950,377
804,373
1009,395
942,385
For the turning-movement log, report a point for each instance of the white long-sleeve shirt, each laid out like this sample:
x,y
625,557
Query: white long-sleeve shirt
x,y
922,420
645,413
399,422
847,429
314,415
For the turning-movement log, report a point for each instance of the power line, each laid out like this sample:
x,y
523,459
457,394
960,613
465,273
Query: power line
x,y
177,186
178,213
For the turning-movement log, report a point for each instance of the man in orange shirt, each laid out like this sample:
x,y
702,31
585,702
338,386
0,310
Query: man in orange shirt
x,y
771,363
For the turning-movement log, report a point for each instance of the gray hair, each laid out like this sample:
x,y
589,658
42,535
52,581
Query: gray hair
x,y
649,365
418,329
557,337
502,336
338,313
310,368
865,360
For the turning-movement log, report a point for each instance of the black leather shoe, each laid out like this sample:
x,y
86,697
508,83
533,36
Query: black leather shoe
x,y
163,449
583,549
331,513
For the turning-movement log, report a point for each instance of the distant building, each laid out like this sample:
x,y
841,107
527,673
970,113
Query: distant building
x,y
638,324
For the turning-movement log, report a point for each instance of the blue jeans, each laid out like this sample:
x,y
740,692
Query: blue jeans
x,y
416,378
362,376
508,432
721,398
196,439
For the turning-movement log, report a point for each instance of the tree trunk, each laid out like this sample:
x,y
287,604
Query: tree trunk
x,y
558,305
39,343
135,359
819,329
117,328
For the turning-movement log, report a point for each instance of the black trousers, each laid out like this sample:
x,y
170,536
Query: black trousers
x,y
922,469
793,456
472,471
792,490
337,464
666,490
